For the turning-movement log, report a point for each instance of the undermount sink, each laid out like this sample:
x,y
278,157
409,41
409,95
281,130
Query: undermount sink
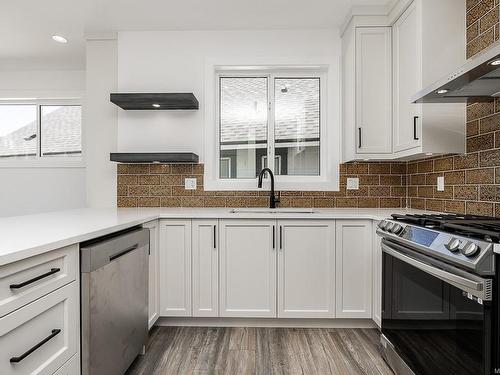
x,y
273,210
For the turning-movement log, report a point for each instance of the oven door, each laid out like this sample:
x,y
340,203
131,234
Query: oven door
x,y
435,317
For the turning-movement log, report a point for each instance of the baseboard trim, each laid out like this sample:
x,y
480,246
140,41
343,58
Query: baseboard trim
x,y
266,322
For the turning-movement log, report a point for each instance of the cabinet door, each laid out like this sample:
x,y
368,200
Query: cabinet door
x,y
377,276
247,268
154,274
175,268
306,269
354,268
407,78
205,268
373,90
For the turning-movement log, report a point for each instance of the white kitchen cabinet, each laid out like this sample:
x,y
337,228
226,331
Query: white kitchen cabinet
x,y
205,268
53,322
407,79
247,268
353,268
428,43
26,280
175,268
377,276
306,269
367,91
154,273
380,76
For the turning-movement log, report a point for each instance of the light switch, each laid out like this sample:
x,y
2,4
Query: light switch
x,y
190,183
352,183
440,183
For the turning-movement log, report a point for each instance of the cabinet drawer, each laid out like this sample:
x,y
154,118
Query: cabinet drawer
x,y
72,367
40,337
24,281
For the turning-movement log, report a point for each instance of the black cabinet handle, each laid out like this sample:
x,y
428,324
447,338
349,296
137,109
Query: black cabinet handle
x,y
123,252
54,333
415,118
281,237
359,137
31,281
274,236
215,238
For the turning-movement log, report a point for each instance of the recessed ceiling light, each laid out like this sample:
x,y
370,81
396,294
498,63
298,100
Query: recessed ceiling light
x,y
495,62
59,39
442,91
156,105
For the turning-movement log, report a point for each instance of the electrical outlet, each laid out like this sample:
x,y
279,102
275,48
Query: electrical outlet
x,y
440,183
353,183
190,183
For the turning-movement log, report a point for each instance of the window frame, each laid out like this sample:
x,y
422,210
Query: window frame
x,y
38,160
330,135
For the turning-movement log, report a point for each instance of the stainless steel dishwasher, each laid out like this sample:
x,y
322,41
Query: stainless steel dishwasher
x,y
114,301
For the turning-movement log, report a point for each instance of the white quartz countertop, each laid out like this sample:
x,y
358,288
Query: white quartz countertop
x,y
25,236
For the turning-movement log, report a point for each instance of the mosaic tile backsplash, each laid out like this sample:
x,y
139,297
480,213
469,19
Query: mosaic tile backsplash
x,y
162,185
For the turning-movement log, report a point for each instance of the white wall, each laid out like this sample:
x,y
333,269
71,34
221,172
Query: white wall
x,y
176,61
31,190
100,123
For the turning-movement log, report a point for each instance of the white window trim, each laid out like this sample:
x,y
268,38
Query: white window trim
x,y
44,162
330,122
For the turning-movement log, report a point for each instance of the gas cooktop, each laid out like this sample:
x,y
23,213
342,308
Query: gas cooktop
x,y
480,227
466,241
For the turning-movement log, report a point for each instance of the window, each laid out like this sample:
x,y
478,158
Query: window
x,y
40,130
245,110
274,112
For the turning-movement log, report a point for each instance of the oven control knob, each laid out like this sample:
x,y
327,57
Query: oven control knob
x,y
389,226
470,249
382,224
396,229
453,244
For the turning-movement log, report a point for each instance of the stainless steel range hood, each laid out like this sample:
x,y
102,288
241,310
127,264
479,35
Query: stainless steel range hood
x,y
478,80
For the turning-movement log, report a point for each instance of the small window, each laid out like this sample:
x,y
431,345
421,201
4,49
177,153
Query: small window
x,y
18,130
254,110
287,114
40,130
61,128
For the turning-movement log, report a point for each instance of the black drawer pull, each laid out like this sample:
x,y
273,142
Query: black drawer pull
x,y
415,137
215,236
123,252
31,281
359,137
54,333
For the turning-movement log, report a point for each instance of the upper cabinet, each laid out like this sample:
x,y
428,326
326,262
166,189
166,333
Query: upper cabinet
x,y
367,71
407,79
387,60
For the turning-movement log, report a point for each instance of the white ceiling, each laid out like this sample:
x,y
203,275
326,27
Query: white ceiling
x,y
26,26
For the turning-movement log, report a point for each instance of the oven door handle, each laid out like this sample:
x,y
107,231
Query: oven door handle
x,y
476,288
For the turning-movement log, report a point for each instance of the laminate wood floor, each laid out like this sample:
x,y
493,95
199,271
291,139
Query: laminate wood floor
x,y
203,350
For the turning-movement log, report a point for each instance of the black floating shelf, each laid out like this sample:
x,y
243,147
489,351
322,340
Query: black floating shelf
x,y
154,157
155,101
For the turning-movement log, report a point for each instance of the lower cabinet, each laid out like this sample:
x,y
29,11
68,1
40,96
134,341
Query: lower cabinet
x,y
306,269
354,268
154,273
42,336
175,268
247,268
205,268
260,268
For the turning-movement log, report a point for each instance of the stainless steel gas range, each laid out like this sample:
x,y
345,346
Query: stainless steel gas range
x,y
440,296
